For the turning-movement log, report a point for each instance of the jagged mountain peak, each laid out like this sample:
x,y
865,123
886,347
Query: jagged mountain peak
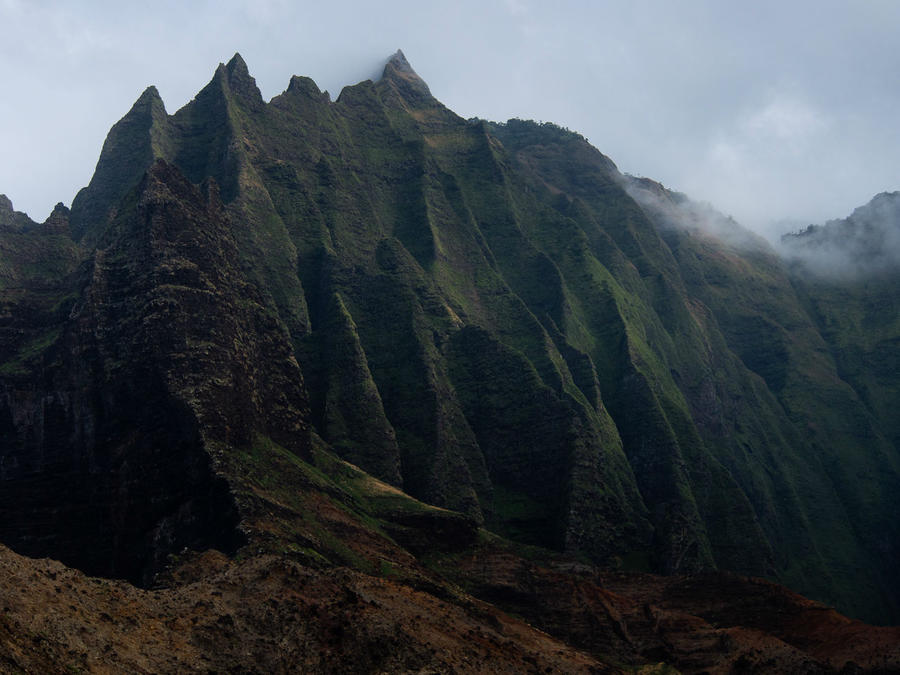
x,y
237,64
129,147
147,105
305,85
236,75
149,94
398,60
399,72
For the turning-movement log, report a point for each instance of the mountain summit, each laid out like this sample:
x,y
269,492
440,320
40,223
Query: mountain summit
x,y
367,349
398,63
240,82
398,71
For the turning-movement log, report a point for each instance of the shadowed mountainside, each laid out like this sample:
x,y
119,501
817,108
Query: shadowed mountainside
x,y
488,318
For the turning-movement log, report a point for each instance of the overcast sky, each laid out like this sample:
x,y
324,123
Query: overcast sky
x,y
770,110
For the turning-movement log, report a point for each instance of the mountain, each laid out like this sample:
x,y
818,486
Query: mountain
x,y
847,272
369,335
863,245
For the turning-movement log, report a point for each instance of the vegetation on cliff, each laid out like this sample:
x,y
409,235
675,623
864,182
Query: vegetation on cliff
x,y
354,332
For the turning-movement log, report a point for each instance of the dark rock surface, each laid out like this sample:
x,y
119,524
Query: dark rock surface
x,y
163,349
487,316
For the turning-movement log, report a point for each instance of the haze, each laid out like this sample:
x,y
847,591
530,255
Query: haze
x,y
779,114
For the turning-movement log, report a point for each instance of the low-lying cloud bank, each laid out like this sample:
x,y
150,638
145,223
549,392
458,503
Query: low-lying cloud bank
x,y
677,210
863,245
866,243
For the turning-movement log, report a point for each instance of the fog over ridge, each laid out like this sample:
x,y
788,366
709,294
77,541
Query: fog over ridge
x,y
865,243
767,112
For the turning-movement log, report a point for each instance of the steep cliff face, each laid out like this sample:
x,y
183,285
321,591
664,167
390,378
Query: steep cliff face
x,y
157,348
847,273
818,419
487,316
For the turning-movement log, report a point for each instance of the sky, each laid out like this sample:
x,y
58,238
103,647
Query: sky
x,y
780,113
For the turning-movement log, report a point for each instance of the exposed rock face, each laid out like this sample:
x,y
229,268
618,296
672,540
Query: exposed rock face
x,y
487,316
402,75
164,348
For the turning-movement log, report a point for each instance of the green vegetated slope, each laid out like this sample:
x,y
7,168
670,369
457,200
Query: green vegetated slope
x,y
846,271
846,274
823,457
492,318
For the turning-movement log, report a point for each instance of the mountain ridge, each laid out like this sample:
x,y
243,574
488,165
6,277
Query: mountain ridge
x,y
486,316
865,244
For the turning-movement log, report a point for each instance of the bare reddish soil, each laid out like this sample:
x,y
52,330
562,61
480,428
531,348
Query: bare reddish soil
x,y
268,614
263,615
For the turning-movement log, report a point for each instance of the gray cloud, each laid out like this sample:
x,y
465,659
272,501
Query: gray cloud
x,y
767,110
676,210
864,244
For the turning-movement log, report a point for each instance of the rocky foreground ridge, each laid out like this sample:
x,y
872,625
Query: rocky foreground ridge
x,y
421,364
271,614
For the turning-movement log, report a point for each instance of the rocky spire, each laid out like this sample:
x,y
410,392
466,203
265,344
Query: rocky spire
x,y
130,147
398,72
399,63
240,82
